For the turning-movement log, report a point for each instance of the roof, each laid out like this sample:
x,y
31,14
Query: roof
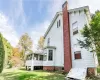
x,y
60,13
80,8
52,22
53,47
35,53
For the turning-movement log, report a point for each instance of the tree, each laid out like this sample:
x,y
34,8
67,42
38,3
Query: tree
x,y
2,53
41,43
8,52
15,59
25,43
91,34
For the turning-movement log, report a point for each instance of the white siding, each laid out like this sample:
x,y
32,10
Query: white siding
x,y
35,63
87,57
56,39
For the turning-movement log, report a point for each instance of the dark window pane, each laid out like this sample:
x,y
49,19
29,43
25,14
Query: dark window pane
x,y
41,57
75,32
48,41
50,55
36,56
59,23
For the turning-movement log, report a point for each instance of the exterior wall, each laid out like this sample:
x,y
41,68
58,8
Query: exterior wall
x,y
28,63
66,38
56,39
87,57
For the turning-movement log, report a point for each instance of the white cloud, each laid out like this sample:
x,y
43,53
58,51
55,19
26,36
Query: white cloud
x,y
8,30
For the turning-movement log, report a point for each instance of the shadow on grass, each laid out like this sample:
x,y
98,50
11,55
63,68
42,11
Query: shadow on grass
x,y
35,75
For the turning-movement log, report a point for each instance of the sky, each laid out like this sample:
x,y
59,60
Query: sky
x,y
33,16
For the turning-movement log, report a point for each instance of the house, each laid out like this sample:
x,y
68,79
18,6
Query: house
x,y
61,48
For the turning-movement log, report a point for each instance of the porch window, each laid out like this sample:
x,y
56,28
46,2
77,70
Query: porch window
x,y
41,57
50,55
77,55
36,56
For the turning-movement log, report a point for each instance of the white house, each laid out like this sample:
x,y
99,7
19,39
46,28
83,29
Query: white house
x,y
61,48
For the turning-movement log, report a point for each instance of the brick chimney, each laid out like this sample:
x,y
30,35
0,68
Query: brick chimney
x,y
66,38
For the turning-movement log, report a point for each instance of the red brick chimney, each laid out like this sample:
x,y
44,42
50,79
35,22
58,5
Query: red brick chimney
x,y
66,38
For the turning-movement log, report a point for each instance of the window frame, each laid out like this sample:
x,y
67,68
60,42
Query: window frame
x,y
50,56
48,42
75,28
59,23
41,57
77,55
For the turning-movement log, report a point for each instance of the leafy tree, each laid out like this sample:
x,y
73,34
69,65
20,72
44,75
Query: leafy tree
x,y
25,44
2,53
8,52
15,59
91,34
41,43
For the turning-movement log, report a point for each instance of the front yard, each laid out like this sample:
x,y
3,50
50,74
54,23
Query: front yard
x,y
11,74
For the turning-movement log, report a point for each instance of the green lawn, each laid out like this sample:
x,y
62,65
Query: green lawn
x,y
9,74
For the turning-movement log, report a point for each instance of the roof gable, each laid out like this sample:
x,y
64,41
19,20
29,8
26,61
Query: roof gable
x,y
52,22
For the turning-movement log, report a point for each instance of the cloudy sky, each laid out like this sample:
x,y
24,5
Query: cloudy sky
x,y
33,16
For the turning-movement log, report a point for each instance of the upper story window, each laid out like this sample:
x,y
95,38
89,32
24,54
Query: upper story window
x,y
58,23
75,27
48,42
50,55
77,55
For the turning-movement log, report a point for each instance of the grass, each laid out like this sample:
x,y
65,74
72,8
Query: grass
x,y
98,69
10,74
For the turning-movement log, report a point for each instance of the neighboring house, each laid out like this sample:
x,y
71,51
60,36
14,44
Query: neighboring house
x,y
61,49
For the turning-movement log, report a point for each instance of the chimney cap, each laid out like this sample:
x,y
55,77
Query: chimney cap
x,y
64,4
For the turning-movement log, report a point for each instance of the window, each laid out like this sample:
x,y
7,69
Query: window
x,y
30,56
77,55
36,56
48,43
50,55
41,57
75,28
59,23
